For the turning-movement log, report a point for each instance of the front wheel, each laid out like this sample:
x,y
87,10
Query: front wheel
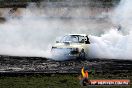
x,y
82,55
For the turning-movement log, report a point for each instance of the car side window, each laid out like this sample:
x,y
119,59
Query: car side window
x,y
81,39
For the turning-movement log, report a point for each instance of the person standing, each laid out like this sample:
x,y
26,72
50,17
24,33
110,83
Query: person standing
x,y
84,81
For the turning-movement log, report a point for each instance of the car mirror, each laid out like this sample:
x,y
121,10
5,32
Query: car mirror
x,y
57,41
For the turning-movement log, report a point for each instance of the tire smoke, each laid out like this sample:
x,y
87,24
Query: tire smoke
x,y
32,31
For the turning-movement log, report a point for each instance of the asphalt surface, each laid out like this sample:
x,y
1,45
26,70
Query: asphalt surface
x,y
14,64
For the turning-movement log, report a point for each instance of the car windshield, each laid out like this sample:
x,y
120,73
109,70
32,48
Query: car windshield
x,y
73,39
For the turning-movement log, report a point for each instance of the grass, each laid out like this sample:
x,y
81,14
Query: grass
x,y
39,81
54,80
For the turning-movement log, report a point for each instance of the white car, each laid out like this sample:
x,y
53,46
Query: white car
x,y
71,46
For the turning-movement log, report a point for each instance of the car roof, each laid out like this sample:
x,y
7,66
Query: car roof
x,y
78,34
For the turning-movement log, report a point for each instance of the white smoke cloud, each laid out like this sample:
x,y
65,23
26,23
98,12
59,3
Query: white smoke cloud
x,y
122,15
115,44
36,28
31,31
112,45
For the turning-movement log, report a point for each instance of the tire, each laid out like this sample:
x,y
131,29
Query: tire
x,y
82,55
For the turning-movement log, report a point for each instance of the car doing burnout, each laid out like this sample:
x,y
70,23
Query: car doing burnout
x,y
72,46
